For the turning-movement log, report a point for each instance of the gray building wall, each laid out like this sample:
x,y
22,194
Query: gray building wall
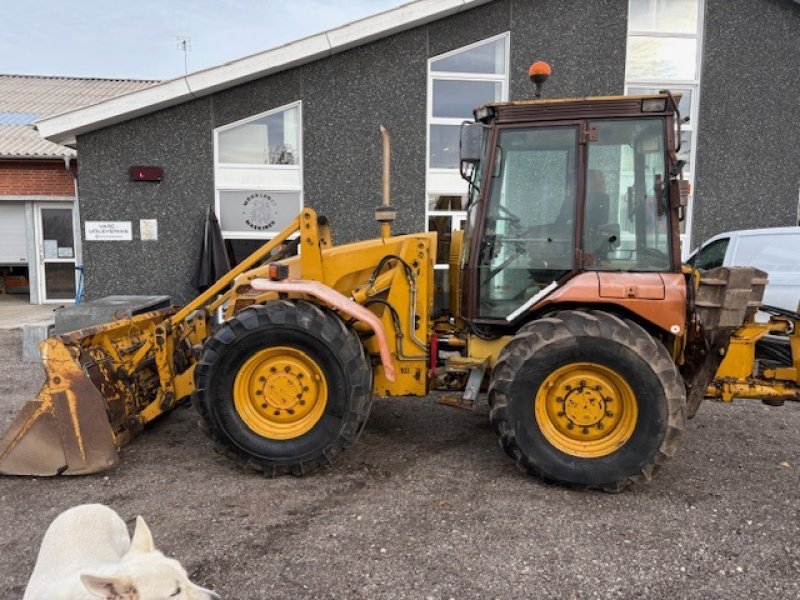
x,y
345,98
748,161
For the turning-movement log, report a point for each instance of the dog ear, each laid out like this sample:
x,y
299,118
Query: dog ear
x,y
142,541
107,588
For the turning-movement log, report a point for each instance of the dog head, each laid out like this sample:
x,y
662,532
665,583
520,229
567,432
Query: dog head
x,y
146,574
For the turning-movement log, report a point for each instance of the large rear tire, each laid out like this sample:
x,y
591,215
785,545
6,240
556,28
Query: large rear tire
x,y
588,400
283,387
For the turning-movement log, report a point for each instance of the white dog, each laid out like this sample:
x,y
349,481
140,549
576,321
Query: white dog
x,y
87,554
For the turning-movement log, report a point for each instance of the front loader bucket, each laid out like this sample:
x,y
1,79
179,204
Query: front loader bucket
x,y
65,430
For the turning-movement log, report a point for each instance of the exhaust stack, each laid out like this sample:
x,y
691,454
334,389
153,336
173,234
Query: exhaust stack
x,y
385,214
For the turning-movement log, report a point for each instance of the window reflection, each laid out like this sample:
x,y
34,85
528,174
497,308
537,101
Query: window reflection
x,y
626,216
270,140
528,239
676,16
661,58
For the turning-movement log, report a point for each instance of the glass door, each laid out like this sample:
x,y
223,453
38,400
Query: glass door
x,y
528,238
55,244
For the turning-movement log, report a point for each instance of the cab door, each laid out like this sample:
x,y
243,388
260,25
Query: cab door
x,y
525,239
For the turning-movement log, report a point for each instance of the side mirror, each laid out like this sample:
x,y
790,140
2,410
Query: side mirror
x,y
470,149
471,143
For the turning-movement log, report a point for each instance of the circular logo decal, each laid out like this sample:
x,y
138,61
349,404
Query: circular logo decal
x,y
259,211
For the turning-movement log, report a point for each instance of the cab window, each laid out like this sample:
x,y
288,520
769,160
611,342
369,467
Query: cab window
x,y
626,211
528,240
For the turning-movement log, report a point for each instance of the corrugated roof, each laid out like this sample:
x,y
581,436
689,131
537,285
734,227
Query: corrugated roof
x,y
23,141
25,98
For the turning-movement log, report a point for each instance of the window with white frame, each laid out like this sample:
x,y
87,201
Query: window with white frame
x,y
665,43
458,82
258,173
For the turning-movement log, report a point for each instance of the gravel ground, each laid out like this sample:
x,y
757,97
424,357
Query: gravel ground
x,y
426,505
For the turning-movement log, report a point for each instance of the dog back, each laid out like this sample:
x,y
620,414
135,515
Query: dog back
x,y
85,537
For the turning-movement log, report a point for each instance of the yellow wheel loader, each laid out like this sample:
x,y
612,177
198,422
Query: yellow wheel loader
x,y
567,298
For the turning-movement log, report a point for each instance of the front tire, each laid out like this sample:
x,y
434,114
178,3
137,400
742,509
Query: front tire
x,y
283,387
587,399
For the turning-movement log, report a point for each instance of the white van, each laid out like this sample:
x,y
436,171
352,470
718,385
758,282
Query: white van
x,y
775,250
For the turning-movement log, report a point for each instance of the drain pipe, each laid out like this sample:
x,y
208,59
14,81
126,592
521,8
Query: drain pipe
x,y
76,232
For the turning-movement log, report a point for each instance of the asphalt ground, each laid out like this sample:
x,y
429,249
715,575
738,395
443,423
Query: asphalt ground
x,y
426,505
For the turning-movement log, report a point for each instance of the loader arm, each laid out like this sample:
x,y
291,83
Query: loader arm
x,y
105,383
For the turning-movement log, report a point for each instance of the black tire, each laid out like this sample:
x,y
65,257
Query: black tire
x,y
568,337
322,336
774,351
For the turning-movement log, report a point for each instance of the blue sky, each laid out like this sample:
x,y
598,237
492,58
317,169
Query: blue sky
x,y
105,38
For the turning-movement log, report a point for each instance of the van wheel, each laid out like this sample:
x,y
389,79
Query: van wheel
x,y
283,387
588,400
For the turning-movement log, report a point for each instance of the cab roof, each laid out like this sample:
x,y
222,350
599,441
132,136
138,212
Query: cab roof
x,y
578,108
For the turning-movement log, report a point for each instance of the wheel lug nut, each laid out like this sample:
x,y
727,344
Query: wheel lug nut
x,y
273,370
290,411
287,369
568,387
570,425
599,425
560,400
264,405
305,388
262,379
561,413
277,412
585,430
608,399
598,387
302,402
300,375
583,383
609,413
259,393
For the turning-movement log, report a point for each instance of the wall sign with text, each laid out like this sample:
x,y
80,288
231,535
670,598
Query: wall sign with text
x,y
108,231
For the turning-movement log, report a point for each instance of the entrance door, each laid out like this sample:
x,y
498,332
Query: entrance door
x,y
55,245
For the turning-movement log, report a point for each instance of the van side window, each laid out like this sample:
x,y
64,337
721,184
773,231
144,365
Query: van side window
x,y
712,255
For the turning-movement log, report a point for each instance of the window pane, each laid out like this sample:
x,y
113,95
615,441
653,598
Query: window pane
x,y
712,256
57,225
684,104
444,227
666,16
685,153
441,291
626,216
257,211
59,281
486,58
444,140
457,99
447,202
270,140
529,229
661,58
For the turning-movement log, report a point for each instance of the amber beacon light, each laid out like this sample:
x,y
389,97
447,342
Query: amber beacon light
x,y
539,72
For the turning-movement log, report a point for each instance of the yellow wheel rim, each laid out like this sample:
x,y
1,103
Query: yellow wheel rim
x,y
586,410
280,393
